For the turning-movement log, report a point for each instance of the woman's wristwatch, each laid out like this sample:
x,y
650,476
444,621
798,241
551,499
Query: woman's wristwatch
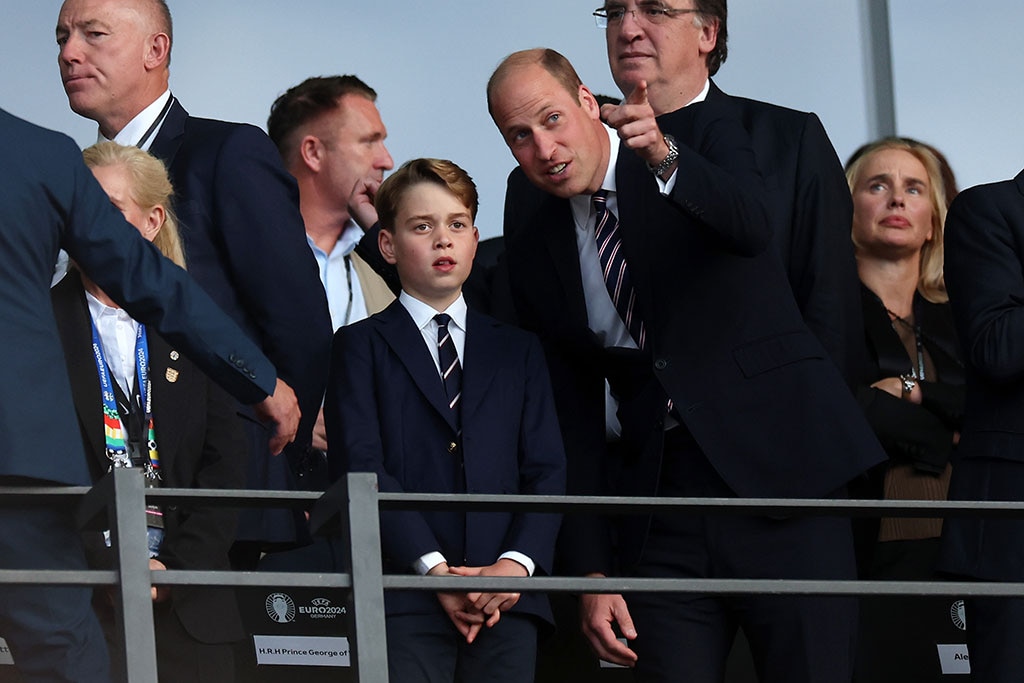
x,y
909,384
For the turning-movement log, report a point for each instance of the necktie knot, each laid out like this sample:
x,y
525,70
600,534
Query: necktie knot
x,y
442,319
599,200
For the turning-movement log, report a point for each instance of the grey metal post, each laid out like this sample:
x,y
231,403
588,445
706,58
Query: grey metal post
x,y
130,544
368,642
879,93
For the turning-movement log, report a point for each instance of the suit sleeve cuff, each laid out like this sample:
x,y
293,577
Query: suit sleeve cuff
x,y
427,562
521,559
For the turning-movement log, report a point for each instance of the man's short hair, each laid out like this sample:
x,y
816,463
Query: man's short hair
x,y
551,61
716,10
441,172
164,15
160,14
306,102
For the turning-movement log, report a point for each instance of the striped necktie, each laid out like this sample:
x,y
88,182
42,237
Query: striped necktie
x,y
615,269
451,370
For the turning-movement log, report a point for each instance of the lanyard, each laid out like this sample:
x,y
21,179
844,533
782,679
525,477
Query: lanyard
x,y
156,124
113,430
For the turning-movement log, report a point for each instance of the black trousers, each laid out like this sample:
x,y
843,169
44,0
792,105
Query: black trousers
x,y
793,639
426,648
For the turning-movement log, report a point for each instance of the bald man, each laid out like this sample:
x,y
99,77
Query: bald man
x,y
238,207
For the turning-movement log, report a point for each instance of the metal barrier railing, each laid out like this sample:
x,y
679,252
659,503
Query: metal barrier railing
x,y
353,511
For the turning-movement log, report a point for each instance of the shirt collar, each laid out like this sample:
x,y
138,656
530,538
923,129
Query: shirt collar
x,y
137,127
347,242
98,309
581,202
702,95
349,238
423,314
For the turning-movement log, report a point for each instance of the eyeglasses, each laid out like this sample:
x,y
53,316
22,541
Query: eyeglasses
x,y
650,14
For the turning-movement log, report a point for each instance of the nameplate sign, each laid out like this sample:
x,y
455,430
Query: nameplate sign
x,y
302,650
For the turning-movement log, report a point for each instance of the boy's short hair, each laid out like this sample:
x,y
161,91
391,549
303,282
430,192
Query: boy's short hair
x,y
437,171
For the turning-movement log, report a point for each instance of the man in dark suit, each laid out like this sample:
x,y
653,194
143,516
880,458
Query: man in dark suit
x,y
50,200
718,386
985,279
807,198
238,207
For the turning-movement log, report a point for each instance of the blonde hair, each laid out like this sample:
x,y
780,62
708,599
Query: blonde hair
x,y
931,283
148,185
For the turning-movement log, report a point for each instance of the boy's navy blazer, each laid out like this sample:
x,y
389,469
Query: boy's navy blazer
x,y
387,413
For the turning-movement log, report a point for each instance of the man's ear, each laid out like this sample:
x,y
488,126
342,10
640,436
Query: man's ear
x,y
311,150
589,102
708,36
158,51
386,244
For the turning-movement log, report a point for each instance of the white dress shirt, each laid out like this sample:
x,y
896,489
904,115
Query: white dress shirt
x,y
341,283
118,332
423,317
137,127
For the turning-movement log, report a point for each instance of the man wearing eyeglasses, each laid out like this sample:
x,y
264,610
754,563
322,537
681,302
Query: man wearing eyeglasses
x,y
676,47
641,254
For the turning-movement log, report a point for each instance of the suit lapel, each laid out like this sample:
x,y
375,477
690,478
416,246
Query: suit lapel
x,y
557,229
168,139
171,401
75,328
483,342
400,333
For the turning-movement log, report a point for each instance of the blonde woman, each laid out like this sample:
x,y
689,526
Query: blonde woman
x,y
143,405
912,393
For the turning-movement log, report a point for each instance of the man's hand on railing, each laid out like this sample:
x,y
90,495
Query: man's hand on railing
x,y
493,604
597,614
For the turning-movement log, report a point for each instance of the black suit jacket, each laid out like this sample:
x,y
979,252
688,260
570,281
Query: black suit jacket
x,y
922,434
985,279
49,200
726,339
810,212
387,413
201,444
246,244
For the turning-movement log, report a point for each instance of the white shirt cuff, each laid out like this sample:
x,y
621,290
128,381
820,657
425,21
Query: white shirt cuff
x,y
521,559
428,562
666,185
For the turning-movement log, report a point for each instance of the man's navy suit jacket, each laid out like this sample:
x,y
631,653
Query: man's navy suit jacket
x,y
387,413
245,243
201,445
749,380
49,200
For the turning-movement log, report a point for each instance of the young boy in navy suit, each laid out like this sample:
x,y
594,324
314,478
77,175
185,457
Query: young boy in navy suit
x,y
434,397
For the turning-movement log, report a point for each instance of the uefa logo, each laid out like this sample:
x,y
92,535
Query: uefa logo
x,y
280,608
957,615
